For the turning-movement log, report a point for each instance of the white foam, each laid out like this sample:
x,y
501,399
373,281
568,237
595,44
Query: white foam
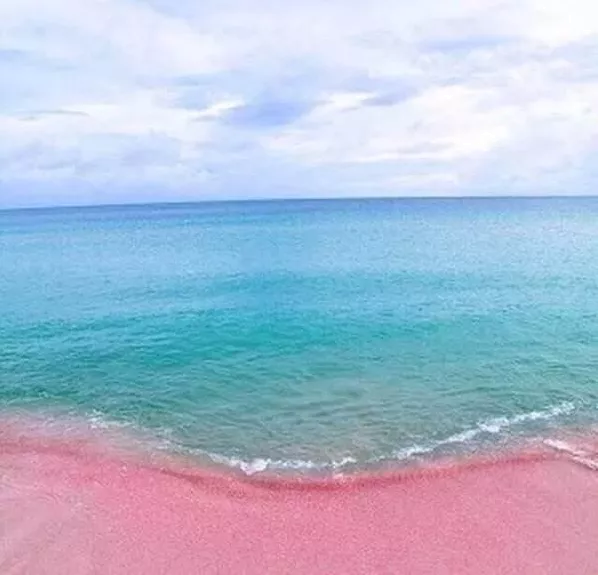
x,y
563,446
583,457
564,408
495,425
492,426
498,424
411,451
262,464
462,437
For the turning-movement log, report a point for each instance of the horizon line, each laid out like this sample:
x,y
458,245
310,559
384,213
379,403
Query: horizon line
x,y
175,203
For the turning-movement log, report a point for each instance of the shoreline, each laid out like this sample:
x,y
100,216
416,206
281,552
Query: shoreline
x,y
75,507
129,440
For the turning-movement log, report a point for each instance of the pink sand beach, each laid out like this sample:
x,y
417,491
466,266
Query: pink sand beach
x,y
74,508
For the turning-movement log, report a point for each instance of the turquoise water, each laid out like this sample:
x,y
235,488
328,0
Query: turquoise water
x,y
306,335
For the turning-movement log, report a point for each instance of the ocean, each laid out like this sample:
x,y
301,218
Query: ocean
x,y
304,336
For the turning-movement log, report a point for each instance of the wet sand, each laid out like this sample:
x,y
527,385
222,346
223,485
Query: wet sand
x,y
72,507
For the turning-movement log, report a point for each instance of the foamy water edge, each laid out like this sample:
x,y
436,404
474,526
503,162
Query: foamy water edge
x,y
492,427
127,434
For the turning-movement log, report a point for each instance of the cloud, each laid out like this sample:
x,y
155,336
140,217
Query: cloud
x,y
11,56
387,98
465,44
134,100
269,113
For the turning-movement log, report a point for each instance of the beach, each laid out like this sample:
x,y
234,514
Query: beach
x,y
311,387
78,507
298,288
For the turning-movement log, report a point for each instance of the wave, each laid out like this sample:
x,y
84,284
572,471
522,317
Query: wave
x,y
66,506
495,425
263,464
492,426
127,434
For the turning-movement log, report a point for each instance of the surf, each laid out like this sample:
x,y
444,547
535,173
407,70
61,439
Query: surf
x,y
82,505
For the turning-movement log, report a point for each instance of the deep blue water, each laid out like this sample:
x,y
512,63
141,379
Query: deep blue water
x,y
306,333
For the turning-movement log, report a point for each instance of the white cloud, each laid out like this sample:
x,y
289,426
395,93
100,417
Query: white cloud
x,y
310,98
556,23
114,36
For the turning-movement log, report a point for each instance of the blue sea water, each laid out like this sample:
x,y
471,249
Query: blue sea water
x,y
305,334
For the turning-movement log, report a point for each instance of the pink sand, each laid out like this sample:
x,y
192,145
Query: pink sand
x,y
71,508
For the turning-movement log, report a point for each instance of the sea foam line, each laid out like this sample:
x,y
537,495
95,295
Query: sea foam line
x,y
165,441
492,426
497,424
582,456
262,464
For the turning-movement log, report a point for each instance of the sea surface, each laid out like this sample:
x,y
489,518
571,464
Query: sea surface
x,y
302,336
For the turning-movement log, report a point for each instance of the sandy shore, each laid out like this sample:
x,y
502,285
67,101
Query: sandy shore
x,y
71,508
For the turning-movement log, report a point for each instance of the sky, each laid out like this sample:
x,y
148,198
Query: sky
x,y
110,101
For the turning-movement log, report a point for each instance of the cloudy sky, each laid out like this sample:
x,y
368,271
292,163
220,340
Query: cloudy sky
x,y
105,101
